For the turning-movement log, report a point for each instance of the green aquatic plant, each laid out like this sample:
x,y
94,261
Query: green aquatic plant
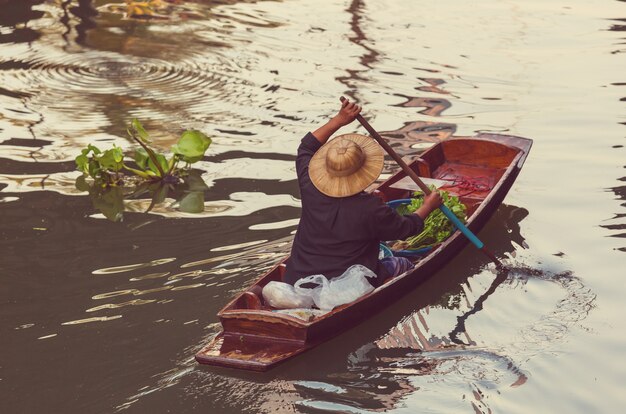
x,y
437,227
106,166
102,166
109,200
158,175
190,148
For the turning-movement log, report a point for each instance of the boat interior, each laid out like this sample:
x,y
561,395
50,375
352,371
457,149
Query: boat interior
x,y
469,178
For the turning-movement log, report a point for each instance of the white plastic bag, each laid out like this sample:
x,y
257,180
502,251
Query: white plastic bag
x,y
283,296
328,294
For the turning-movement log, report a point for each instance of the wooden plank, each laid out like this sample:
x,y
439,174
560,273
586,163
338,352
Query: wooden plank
x,y
407,183
249,352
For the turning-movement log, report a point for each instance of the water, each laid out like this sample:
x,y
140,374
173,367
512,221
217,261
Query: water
x,y
102,316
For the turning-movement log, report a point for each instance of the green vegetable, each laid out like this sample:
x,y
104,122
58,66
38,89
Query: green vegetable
x,y
437,227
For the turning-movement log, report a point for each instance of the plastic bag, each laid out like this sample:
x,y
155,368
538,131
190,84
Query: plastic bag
x,y
283,296
328,294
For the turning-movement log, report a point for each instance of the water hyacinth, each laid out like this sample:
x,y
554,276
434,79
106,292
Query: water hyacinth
x,y
105,166
152,173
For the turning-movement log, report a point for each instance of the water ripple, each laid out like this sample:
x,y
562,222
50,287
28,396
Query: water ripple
x,y
94,319
131,267
97,73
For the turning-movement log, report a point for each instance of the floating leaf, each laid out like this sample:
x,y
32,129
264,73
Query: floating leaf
x,y
161,175
171,165
86,164
191,146
82,163
111,159
145,160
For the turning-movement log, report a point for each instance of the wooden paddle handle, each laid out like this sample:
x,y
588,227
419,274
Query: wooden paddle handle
x,y
445,210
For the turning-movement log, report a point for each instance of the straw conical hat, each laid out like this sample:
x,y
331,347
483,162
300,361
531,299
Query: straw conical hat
x,y
346,165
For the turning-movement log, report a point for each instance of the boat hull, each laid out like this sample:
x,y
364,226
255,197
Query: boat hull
x,y
258,339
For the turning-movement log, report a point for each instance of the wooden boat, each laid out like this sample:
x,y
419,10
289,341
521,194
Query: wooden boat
x,y
255,337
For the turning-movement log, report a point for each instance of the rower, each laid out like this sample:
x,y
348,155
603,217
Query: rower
x,y
342,225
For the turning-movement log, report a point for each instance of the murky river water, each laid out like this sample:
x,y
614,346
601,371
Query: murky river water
x,y
100,316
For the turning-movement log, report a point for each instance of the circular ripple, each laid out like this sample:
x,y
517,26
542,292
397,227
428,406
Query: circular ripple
x,y
90,86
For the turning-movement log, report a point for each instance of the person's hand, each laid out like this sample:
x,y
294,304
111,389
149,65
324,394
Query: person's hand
x,y
347,113
431,202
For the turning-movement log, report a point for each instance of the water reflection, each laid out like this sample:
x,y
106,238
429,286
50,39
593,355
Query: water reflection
x,y
112,75
618,229
19,13
383,363
617,225
187,194
368,57
128,268
501,276
86,12
403,139
387,372
216,271
432,106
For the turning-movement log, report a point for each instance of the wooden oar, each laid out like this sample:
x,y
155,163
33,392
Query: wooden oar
x,y
445,210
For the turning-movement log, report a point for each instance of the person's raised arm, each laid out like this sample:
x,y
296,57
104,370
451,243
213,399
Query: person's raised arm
x,y
346,115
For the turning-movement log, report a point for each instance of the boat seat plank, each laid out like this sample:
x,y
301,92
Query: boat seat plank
x,y
407,183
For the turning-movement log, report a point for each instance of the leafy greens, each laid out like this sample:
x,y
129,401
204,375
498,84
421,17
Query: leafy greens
x,y
437,227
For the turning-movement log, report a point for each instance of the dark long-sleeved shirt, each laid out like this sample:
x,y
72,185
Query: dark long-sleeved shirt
x,y
336,233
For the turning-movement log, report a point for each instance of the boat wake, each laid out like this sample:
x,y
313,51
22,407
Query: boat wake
x,y
414,357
